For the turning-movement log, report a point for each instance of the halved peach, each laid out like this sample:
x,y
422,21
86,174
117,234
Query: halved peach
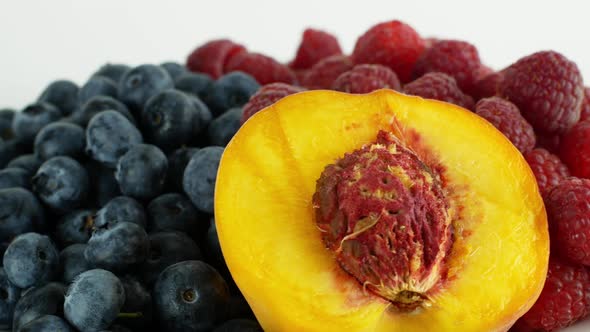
x,y
478,264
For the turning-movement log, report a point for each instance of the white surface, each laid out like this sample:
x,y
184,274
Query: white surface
x,y
47,40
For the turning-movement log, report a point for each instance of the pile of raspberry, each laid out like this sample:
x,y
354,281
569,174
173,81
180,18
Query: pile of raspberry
x,y
538,102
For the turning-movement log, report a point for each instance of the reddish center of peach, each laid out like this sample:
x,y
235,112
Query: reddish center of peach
x,y
383,213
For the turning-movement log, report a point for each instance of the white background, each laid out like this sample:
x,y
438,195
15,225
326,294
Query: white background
x,y
41,41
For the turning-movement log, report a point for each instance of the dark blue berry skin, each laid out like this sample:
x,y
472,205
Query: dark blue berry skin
x,y
15,178
141,172
118,247
108,137
224,127
121,209
168,120
239,308
239,325
167,248
28,162
205,116
97,86
194,83
173,212
114,71
20,212
11,149
94,300
59,139
31,259
174,69
6,116
177,162
61,183
200,175
63,94
190,296
103,185
37,302
213,247
47,323
229,91
142,82
10,294
75,227
32,119
72,262
138,300
118,328
99,104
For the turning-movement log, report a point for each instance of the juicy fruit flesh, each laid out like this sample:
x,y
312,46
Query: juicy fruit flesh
x,y
382,211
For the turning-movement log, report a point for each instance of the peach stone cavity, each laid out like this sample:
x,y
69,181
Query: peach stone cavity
x,y
383,213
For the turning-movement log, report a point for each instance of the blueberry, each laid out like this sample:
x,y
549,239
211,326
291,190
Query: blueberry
x,y
190,296
109,135
32,119
168,119
47,323
20,212
11,149
63,94
118,328
61,183
239,308
31,259
94,300
239,325
229,91
37,302
174,69
9,294
177,162
194,83
97,86
118,247
142,82
59,139
167,248
173,212
213,247
28,162
98,104
205,115
72,262
200,175
114,71
121,209
141,172
75,227
6,116
224,127
103,185
15,178
137,308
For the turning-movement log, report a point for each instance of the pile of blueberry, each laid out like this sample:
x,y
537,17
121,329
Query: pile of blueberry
x,y
106,204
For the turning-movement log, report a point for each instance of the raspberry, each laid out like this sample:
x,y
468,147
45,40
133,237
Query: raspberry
x,y
487,86
323,73
506,117
549,142
574,149
263,68
266,96
548,90
568,213
585,109
565,299
456,58
315,45
547,167
439,86
366,78
393,44
211,57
